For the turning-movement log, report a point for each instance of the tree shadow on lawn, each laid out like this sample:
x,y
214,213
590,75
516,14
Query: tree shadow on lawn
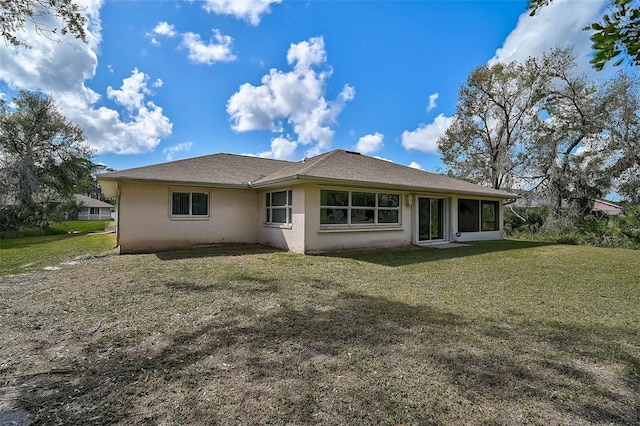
x,y
362,360
25,242
215,250
409,255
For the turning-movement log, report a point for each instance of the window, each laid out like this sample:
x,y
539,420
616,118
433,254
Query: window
x,y
278,206
94,210
194,204
358,208
477,215
490,216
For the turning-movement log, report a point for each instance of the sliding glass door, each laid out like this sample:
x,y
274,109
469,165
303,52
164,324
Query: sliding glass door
x,y
430,219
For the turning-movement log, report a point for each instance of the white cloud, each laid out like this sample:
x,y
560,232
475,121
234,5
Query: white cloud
x,y
432,102
560,24
217,49
370,143
171,150
165,29
425,137
132,92
248,10
296,98
415,165
61,70
281,149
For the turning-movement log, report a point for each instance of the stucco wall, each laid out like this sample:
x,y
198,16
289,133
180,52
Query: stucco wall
x,y
286,237
318,240
145,223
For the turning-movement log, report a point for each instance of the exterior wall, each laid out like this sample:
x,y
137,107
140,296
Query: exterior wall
x,y
105,214
286,237
319,240
145,223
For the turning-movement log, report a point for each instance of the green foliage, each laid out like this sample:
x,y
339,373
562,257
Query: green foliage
x,y
595,230
43,162
616,37
520,219
48,17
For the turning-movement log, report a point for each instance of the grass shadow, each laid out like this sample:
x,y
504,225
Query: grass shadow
x,y
214,250
359,360
26,242
409,255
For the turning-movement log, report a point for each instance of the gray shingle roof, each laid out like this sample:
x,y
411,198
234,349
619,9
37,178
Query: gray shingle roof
x,y
338,165
90,202
216,169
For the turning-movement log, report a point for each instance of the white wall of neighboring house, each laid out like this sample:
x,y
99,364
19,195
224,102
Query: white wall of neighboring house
x,y
99,213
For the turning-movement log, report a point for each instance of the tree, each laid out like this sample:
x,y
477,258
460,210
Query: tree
x,y
43,158
495,109
48,17
566,144
617,35
623,126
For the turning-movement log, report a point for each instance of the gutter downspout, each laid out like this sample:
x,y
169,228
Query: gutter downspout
x,y
118,216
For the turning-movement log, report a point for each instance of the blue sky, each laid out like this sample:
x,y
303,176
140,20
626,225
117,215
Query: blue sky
x,y
162,80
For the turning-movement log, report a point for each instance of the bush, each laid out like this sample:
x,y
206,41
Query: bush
x,y
595,230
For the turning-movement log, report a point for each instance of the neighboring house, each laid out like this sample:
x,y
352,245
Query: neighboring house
x,y
93,209
334,201
530,200
606,207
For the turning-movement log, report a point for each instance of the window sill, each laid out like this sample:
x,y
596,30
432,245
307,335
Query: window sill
x,y
277,225
189,218
345,228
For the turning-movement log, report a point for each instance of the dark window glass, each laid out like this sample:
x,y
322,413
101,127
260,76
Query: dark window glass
x,y
279,215
490,216
200,204
468,215
363,199
334,198
362,215
333,216
279,198
180,203
388,200
388,216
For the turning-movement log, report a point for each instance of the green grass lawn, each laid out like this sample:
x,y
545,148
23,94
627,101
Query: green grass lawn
x,y
495,333
20,255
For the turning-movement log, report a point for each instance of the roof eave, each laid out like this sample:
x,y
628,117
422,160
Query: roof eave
x,y
369,184
178,182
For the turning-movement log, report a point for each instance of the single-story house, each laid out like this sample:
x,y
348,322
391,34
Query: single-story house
x,y
93,209
607,207
334,201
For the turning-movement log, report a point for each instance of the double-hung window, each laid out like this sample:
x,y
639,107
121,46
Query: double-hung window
x,y
94,210
278,205
190,204
478,215
359,208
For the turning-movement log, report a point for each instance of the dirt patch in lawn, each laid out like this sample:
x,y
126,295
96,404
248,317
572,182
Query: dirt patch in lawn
x,y
249,335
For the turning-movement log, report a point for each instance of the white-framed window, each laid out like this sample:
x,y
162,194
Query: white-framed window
x,y
278,207
189,204
359,208
478,215
94,210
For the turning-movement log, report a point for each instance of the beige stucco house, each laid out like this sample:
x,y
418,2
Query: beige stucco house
x,y
334,201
